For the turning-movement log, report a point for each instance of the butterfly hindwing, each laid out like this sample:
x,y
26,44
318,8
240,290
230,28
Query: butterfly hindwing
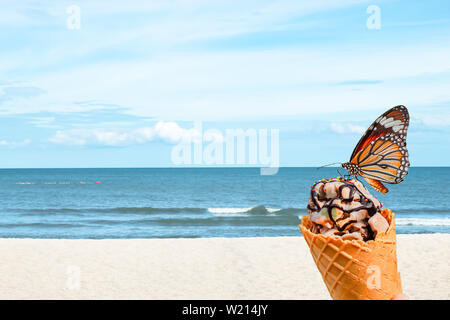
x,y
377,185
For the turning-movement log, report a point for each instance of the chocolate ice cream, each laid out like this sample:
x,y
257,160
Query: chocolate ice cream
x,y
345,208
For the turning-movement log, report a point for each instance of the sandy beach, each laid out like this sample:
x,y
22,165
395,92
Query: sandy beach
x,y
214,268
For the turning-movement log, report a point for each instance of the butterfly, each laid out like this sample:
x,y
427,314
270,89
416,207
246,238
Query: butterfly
x,y
381,154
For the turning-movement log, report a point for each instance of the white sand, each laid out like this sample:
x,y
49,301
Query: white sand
x,y
217,268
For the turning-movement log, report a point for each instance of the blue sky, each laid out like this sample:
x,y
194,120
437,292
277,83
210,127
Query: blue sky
x,y
122,89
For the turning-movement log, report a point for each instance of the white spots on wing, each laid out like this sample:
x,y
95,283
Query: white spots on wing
x,y
396,123
384,120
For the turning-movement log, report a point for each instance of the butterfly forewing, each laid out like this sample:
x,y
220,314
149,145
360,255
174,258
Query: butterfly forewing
x,y
381,154
393,120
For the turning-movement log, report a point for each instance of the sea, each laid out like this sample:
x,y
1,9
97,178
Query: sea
x,y
126,203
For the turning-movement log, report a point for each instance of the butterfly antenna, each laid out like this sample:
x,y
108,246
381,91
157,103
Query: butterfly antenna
x,y
327,165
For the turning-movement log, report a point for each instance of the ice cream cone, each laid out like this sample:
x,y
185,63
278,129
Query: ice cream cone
x,y
354,269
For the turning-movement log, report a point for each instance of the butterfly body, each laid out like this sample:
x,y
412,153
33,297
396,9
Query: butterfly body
x,y
381,155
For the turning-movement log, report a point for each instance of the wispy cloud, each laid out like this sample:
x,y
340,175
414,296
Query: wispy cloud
x,y
433,120
11,93
243,83
14,144
43,122
148,68
359,82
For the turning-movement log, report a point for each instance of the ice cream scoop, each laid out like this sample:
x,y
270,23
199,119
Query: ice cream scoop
x,y
344,207
352,241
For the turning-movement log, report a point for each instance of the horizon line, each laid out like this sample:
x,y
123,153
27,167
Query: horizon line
x,y
193,167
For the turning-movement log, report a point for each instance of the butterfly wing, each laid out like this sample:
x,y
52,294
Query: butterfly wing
x,y
396,118
377,185
381,154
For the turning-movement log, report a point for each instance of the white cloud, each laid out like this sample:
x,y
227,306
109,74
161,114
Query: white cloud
x,y
169,132
14,144
336,127
434,120
356,129
342,128
173,133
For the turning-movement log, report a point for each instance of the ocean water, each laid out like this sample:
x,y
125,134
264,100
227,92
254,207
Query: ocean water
x,y
190,203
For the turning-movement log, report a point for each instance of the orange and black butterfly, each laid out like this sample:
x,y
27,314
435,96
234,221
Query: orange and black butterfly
x,y
381,154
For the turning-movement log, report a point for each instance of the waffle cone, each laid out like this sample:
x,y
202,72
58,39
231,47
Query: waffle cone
x,y
354,269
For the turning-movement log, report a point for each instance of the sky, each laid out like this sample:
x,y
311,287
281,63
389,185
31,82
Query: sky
x,y
122,84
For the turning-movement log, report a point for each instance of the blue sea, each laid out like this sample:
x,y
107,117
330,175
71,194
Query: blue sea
x,y
192,202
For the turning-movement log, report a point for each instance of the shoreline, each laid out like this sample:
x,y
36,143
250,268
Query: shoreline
x,y
198,238
197,268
